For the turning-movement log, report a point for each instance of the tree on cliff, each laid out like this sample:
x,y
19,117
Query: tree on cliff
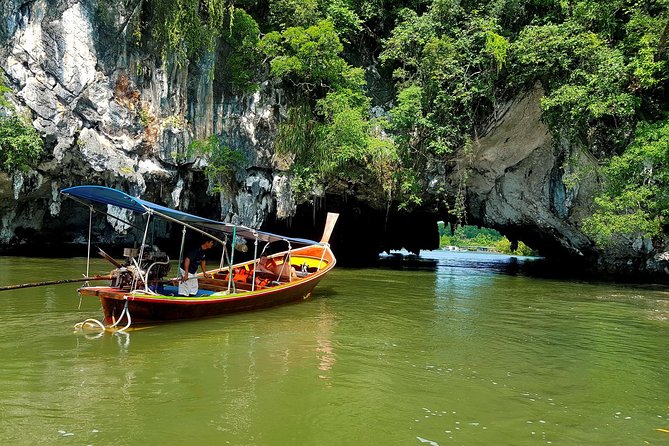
x,y
20,144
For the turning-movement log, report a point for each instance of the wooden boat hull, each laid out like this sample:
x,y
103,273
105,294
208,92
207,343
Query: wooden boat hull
x,y
151,308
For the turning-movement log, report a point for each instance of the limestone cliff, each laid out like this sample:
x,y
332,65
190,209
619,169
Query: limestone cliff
x,y
109,116
519,181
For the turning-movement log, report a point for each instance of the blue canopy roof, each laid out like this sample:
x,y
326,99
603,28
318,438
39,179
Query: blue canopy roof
x,y
107,195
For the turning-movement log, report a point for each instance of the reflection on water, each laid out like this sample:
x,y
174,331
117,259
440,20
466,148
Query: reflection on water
x,y
459,263
463,349
325,348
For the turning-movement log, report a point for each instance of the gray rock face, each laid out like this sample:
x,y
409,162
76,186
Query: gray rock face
x,y
517,180
514,180
105,121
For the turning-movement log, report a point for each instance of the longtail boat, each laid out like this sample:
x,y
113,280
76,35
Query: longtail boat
x,y
139,293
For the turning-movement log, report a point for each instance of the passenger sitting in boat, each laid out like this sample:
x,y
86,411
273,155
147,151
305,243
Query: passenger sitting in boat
x,y
281,271
188,268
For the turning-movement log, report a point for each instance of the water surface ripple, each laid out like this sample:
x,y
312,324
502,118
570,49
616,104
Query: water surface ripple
x,y
462,349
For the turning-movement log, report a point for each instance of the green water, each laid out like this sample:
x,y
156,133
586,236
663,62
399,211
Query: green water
x,y
466,351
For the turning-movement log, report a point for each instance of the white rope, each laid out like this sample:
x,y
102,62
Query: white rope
x,y
136,272
90,323
146,282
125,312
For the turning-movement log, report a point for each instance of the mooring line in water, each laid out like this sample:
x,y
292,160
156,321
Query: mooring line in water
x,y
91,323
125,311
94,323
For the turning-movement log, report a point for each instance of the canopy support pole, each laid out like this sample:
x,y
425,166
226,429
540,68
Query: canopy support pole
x,y
232,256
255,258
90,228
286,259
141,254
181,250
146,231
224,252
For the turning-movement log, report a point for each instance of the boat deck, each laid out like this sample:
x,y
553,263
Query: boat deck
x,y
173,290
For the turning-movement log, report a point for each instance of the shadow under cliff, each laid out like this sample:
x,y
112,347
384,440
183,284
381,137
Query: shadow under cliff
x,y
362,232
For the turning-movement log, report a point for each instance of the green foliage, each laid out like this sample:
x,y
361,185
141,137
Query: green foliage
x,y
4,89
410,189
444,76
636,200
343,133
583,76
603,17
222,161
185,28
337,143
295,135
328,132
145,116
304,181
20,144
240,56
626,215
643,44
467,235
309,58
344,18
497,46
285,14
470,236
408,120
503,246
603,67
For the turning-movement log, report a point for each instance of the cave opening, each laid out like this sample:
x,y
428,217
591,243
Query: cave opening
x,y
480,239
